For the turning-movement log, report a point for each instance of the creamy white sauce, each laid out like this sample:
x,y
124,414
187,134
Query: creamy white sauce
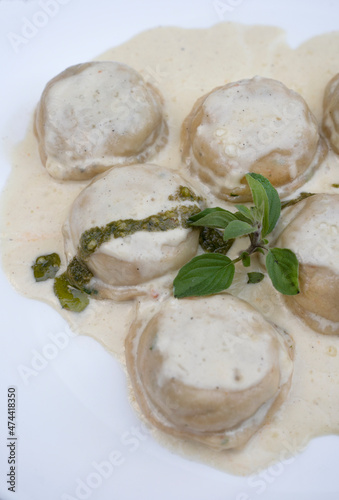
x,y
185,64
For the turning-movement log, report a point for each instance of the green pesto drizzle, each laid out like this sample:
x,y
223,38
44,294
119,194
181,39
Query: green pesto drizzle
x,y
93,238
72,288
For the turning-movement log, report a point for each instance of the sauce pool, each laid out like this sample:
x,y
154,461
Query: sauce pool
x,y
184,65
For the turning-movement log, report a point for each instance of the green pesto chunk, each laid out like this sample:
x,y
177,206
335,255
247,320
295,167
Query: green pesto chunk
x,y
46,267
211,240
79,275
184,193
93,238
69,297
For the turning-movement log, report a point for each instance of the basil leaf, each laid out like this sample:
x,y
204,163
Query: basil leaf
x,y
240,216
245,212
260,200
238,228
259,250
246,259
204,275
255,277
204,212
212,217
274,204
283,269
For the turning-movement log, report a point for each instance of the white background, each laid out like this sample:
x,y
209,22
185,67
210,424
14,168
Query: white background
x,y
74,413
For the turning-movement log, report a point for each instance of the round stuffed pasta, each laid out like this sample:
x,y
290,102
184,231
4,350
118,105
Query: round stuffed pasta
x,y
211,369
256,125
94,115
313,235
331,112
129,227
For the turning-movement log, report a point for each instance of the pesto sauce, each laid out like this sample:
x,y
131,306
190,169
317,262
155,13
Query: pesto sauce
x,y
46,267
79,275
70,298
211,240
183,193
93,238
72,287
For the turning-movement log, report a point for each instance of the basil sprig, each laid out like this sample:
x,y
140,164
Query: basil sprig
x,y
212,273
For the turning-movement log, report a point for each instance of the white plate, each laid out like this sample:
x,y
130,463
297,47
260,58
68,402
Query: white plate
x,y
73,413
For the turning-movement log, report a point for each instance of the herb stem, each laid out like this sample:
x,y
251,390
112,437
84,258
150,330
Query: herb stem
x,y
238,259
294,201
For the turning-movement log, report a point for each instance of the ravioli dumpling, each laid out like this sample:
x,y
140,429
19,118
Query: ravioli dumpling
x,y
313,235
94,115
331,112
256,125
208,369
129,226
